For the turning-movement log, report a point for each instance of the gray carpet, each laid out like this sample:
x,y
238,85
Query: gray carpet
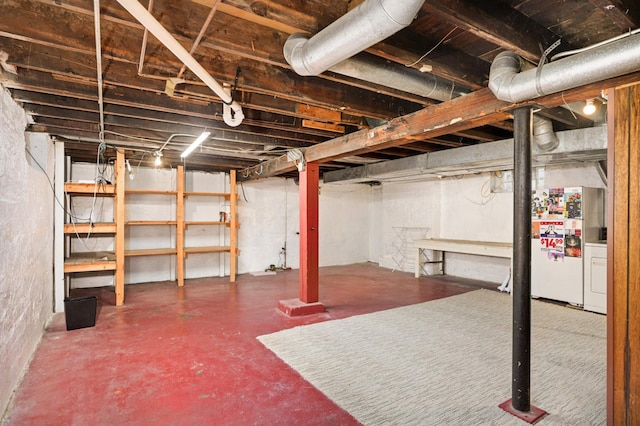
x,y
448,361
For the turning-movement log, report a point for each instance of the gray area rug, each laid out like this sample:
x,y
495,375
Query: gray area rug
x,y
448,361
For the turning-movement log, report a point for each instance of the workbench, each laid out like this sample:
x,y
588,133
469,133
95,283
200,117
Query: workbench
x,y
479,248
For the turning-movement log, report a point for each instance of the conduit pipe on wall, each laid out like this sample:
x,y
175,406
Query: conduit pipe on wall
x,y
369,23
610,60
96,21
149,22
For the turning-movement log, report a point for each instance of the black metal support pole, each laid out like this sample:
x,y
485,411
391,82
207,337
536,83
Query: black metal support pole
x,y
521,360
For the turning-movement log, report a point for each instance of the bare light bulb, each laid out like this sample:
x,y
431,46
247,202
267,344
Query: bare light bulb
x,y
131,175
589,107
158,156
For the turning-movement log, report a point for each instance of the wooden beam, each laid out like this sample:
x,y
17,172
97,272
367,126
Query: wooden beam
x,y
469,111
221,54
623,254
503,26
624,13
466,112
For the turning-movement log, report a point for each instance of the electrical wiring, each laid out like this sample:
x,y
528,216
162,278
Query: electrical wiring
x,y
432,49
50,184
243,194
485,198
69,212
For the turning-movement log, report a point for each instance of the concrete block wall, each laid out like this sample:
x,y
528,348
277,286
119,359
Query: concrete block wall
x,y
26,237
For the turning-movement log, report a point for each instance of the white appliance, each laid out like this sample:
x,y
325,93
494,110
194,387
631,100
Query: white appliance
x,y
563,220
595,277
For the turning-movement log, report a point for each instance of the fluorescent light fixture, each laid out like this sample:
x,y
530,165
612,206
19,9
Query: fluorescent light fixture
x,y
589,107
195,144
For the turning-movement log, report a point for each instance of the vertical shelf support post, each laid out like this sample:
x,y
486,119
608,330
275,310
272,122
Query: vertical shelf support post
x,y
233,231
180,227
118,202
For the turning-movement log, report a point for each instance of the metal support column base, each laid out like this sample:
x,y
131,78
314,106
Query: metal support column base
x,y
532,416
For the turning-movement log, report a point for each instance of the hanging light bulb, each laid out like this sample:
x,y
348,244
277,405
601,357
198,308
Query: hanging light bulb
x,y
589,107
131,175
158,156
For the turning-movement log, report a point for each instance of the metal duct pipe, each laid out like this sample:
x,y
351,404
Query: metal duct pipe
x,y
391,74
372,21
600,63
156,28
543,134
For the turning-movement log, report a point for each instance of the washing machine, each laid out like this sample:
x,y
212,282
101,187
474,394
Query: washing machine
x,y
595,277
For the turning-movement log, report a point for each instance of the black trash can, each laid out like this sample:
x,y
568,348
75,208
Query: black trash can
x,y
80,312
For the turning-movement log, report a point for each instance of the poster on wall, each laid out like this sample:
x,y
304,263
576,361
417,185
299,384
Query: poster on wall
x,y
573,238
539,204
555,202
552,239
573,201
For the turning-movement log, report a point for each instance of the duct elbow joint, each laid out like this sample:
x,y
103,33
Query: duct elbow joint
x,y
503,70
232,114
294,53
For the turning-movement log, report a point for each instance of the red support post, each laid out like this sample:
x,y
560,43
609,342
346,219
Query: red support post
x,y
309,192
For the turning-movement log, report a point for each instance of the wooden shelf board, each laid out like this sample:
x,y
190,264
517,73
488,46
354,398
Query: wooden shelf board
x,y
207,194
89,188
90,262
206,223
150,222
207,249
86,228
150,252
150,192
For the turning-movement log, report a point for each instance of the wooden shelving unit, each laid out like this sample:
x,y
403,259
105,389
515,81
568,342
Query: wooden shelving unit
x,y
115,261
232,224
100,261
151,251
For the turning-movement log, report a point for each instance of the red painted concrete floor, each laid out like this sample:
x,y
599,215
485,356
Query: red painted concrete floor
x,y
189,356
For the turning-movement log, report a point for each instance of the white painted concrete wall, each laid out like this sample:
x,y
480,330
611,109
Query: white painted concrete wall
x,y
26,236
458,208
269,217
344,224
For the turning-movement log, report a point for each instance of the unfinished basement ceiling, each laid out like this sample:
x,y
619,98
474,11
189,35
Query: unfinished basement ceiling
x,y
49,65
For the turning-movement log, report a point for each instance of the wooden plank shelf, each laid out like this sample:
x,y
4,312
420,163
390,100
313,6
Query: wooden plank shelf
x,y
90,262
206,223
207,249
150,252
90,228
89,188
150,222
150,192
226,195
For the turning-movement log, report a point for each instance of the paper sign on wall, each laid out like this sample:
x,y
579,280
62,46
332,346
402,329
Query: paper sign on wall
x,y
552,238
